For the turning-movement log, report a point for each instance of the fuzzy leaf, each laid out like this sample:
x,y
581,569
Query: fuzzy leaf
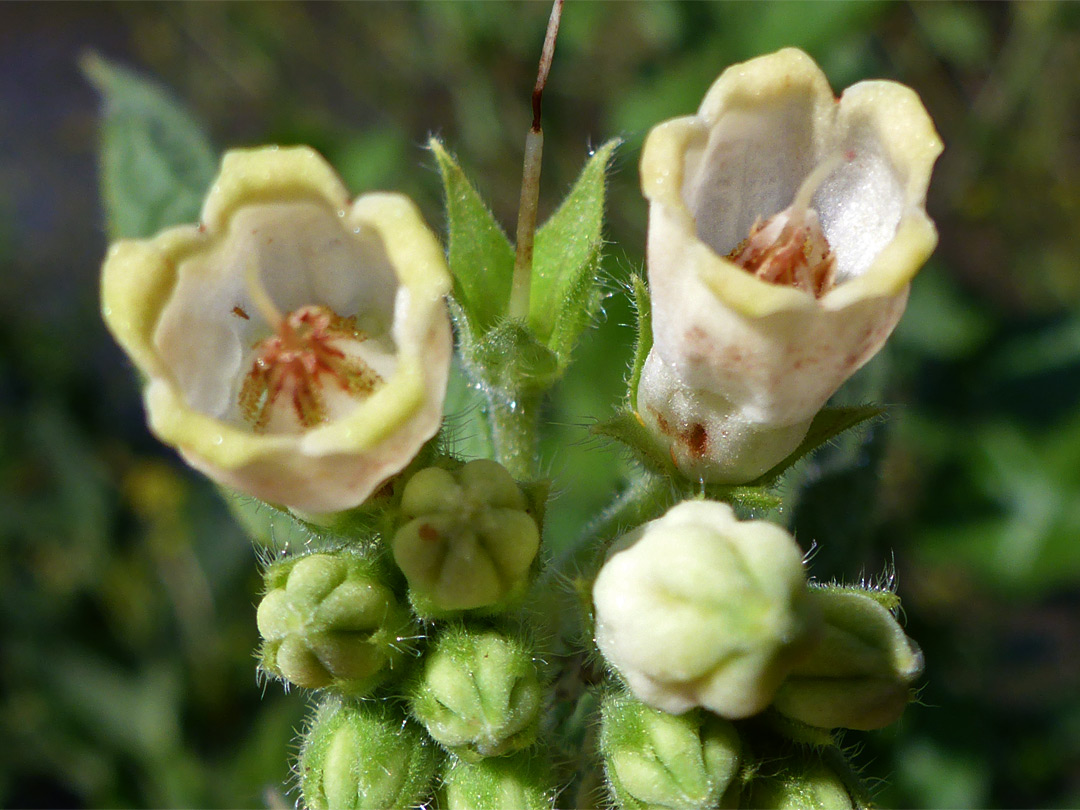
x,y
481,258
827,425
156,162
566,257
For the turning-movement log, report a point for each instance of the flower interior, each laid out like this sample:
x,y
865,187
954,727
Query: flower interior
x,y
313,357
236,357
790,248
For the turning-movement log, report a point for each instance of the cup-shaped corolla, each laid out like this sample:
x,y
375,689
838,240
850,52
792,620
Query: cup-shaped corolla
x,y
784,228
295,346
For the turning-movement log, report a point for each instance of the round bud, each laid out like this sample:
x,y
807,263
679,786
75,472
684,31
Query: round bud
x,y
860,673
658,760
363,756
469,541
798,786
328,620
518,781
698,608
478,694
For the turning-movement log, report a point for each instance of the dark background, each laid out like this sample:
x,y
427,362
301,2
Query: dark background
x,y
126,591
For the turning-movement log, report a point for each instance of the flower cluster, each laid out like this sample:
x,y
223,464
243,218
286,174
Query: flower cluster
x,y
296,347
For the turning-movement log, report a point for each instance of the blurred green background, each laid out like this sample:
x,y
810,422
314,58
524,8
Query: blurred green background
x,y
126,591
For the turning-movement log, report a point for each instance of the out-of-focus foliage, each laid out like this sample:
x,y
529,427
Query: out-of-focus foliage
x,y
126,590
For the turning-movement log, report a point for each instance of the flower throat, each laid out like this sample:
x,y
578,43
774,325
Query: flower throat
x,y
789,248
299,372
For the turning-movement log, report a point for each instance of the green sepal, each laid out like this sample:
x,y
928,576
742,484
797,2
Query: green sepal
x,y
330,620
479,692
481,258
798,782
861,671
564,293
827,425
654,760
643,308
156,161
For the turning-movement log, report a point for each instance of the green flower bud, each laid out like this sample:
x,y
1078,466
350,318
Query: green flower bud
x,y
479,693
470,541
327,620
806,786
658,760
698,608
860,673
364,756
517,781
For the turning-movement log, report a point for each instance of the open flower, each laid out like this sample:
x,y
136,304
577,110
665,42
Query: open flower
x,y
784,228
295,345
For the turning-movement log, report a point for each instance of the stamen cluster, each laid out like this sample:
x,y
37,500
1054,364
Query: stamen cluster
x,y
285,389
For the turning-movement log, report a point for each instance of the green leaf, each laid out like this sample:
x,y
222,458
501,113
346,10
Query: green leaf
x,y
481,258
156,162
566,257
643,307
827,425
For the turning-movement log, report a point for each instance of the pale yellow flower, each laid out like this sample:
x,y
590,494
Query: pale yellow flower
x,y
784,228
295,345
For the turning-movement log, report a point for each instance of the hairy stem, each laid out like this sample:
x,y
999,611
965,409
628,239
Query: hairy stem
x,y
647,497
515,433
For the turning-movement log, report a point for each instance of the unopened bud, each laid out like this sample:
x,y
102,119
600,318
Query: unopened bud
x,y
518,781
799,786
860,673
470,540
698,608
479,693
658,760
327,620
362,755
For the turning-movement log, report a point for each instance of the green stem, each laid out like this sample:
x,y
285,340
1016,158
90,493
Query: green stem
x,y
647,497
515,433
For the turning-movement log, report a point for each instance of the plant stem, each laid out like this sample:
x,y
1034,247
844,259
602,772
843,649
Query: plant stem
x,y
645,498
530,179
515,433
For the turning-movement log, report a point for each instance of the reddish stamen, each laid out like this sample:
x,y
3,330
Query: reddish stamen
x,y
293,368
